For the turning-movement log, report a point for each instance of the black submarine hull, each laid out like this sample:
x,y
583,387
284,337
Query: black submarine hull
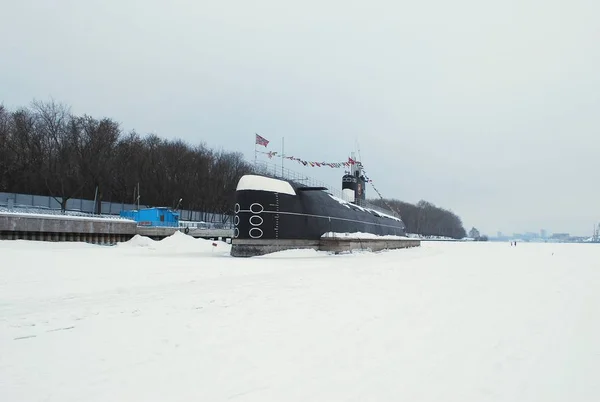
x,y
283,216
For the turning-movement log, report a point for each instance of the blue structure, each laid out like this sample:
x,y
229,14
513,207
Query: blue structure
x,y
160,216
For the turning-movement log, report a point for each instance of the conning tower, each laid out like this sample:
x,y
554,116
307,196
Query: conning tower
x,y
354,184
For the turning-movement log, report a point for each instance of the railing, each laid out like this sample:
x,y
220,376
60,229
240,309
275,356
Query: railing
x,y
30,210
28,203
276,171
206,225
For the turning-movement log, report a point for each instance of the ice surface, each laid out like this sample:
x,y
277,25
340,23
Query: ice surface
x,y
180,320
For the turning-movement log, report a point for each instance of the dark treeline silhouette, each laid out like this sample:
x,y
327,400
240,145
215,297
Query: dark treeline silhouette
x,y
46,150
426,219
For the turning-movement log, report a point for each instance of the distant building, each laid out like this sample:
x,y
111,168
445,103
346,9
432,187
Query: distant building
x,y
499,235
543,234
560,236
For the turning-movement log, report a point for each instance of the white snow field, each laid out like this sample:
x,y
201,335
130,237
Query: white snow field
x,y
181,320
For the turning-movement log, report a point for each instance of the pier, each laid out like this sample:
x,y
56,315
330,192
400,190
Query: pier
x,y
96,230
337,245
112,230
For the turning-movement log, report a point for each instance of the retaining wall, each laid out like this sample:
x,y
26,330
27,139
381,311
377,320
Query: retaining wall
x,y
86,229
256,247
344,245
58,224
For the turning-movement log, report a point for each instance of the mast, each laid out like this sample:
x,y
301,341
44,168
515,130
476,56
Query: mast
x,y
255,150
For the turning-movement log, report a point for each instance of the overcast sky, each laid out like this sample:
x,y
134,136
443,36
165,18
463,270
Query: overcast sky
x,y
488,108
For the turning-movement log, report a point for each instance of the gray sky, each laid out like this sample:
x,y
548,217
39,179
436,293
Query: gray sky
x,y
490,109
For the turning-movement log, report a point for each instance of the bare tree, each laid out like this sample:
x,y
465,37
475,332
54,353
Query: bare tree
x,y
26,146
46,150
6,154
59,133
96,151
426,219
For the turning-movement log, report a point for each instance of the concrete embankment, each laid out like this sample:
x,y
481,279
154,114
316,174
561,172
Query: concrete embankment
x,y
340,245
114,230
61,228
88,229
256,247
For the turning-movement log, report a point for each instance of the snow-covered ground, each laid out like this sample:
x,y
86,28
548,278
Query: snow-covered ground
x,y
180,320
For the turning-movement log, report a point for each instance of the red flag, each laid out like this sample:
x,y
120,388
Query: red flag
x,y
261,140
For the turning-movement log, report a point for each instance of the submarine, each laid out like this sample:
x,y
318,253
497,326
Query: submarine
x,y
273,214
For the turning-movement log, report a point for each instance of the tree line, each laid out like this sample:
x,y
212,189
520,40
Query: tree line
x,y
425,218
47,150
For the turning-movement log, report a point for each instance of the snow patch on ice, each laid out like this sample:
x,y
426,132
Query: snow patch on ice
x,y
138,241
46,245
295,253
178,242
422,237
179,239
